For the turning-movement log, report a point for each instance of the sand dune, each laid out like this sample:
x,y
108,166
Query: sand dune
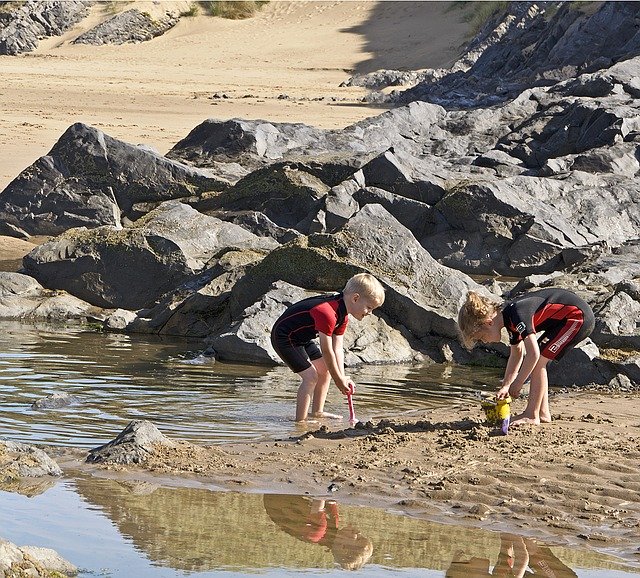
x,y
156,92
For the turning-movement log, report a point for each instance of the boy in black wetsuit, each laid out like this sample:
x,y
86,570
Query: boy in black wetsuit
x,y
561,319
324,317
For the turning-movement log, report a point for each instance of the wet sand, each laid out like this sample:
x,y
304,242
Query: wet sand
x,y
575,481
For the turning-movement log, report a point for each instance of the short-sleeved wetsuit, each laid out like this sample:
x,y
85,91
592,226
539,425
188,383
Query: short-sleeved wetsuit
x,y
294,332
563,318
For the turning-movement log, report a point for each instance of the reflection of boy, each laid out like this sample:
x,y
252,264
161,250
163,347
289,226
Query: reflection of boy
x,y
316,521
518,558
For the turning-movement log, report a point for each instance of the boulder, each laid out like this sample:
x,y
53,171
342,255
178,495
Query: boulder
x,y
133,267
32,561
22,297
422,296
531,225
91,179
287,196
19,460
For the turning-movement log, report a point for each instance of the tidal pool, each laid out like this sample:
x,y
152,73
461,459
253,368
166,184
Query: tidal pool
x,y
118,528
118,378
115,528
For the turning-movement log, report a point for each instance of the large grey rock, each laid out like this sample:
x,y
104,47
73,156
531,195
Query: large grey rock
x,y
256,143
198,308
422,296
22,297
286,195
91,179
525,225
128,26
131,268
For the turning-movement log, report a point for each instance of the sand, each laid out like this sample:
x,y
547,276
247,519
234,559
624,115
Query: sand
x,y
575,480
572,482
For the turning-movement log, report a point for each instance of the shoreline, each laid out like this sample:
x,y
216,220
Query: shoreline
x,y
555,482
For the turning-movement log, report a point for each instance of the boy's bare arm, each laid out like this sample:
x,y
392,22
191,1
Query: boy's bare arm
x,y
531,357
516,355
334,365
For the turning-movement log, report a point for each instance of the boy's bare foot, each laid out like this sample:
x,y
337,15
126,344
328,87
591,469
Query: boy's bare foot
x,y
306,421
326,414
523,419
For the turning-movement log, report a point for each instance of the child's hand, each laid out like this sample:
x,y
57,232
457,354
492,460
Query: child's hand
x,y
352,386
503,392
344,386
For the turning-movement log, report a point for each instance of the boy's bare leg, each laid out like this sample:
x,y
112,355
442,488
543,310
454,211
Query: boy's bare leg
x,y
545,412
305,392
537,409
321,390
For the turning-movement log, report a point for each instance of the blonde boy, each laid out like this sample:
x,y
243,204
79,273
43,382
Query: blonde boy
x,y
324,317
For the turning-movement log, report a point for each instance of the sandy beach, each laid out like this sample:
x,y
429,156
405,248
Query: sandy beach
x,y
574,481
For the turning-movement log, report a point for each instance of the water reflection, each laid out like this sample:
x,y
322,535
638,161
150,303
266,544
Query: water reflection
x,y
198,530
518,557
186,394
317,521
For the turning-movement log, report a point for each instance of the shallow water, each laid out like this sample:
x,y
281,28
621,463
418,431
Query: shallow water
x,y
186,394
131,528
135,529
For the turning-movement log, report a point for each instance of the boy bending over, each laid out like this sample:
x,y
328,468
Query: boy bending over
x,y
324,317
542,326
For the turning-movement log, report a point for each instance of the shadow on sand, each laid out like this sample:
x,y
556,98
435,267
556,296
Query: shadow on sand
x,y
411,36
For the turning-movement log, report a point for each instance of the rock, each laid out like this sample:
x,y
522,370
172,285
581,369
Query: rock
x,y
528,45
422,296
577,367
132,446
131,268
55,401
128,26
286,195
618,323
22,460
22,29
91,179
32,561
22,297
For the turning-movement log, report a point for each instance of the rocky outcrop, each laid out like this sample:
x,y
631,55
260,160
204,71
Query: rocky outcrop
x,y
91,179
535,44
24,27
131,268
128,26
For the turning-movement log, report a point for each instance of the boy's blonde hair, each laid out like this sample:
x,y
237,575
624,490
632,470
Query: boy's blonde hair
x,y
366,285
473,313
